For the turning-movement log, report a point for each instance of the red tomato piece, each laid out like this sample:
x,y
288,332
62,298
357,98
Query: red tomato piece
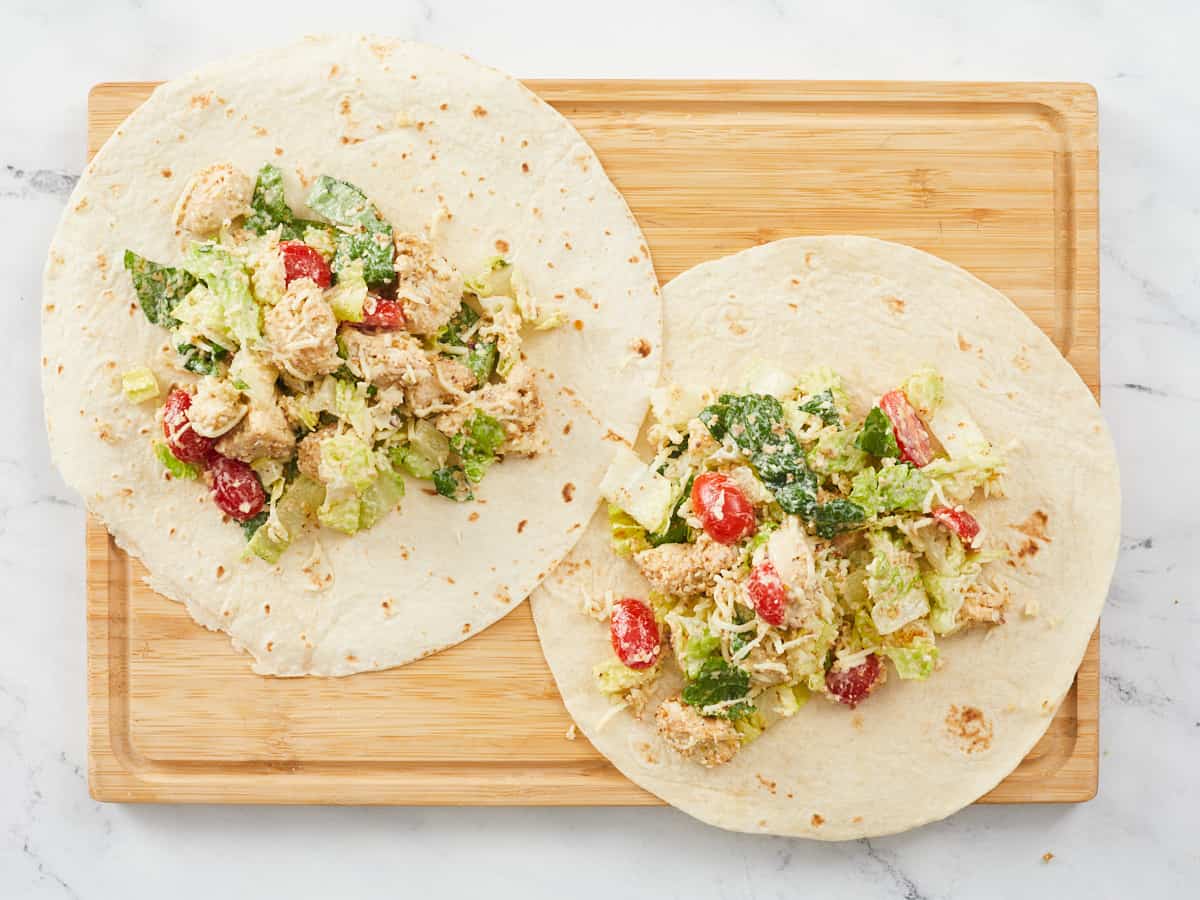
x,y
303,261
634,633
724,511
767,593
185,443
911,436
236,489
381,312
959,521
852,686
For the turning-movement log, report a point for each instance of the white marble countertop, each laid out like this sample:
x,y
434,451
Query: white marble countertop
x,y
1139,834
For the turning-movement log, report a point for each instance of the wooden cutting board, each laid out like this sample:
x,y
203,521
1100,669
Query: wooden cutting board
x,y
998,178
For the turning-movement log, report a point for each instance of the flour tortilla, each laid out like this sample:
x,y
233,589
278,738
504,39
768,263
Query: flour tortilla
x,y
915,751
433,139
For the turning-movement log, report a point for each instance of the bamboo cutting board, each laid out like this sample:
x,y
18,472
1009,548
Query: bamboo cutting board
x,y
998,178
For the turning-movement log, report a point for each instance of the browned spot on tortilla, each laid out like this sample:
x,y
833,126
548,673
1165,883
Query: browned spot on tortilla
x,y
1027,549
266,609
59,370
611,435
856,722
525,169
633,259
736,327
81,205
220,571
479,112
450,580
260,131
817,820
1020,361
350,657
766,782
346,139
502,246
582,294
642,347
503,595
444,107
856,820
970,727
279,151
568,492
344,106
895,304
466,629
270,646
1046,857
567,428
166,173
200,101
521,525
473,517
1035,526
577,324
49,308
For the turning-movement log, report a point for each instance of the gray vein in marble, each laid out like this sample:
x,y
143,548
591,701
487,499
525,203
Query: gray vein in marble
x,y
1131,694
892,870
23,183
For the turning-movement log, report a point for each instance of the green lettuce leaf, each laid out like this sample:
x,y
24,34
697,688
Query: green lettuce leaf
x,y
158,288
177,467
877,436
363,232
716,682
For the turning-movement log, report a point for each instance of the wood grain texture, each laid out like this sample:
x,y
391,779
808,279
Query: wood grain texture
x,y
998,178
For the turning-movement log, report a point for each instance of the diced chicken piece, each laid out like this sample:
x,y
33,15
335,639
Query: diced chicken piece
x,y
684,570
213,196
429,288
216,407
708,741
444,389
515,404
982,606
386,358
301,331
308,452
263,433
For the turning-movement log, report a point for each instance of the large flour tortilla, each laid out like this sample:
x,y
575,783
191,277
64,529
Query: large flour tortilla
x,y
431,137
914,752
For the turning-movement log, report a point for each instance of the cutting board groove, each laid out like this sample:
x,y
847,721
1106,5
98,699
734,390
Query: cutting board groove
x,y
999,178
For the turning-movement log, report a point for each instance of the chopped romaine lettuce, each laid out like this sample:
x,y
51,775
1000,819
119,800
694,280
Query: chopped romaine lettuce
x,y
822,405
696,651
896,488
349,294
960,478
178,468
836,452
381,497
228,282
139,385
640,491
614,677
203,357
925,390
269,207
877,436
341,515
835,516
451,481
321,240
363,233
159,288
496,278
755,423
477,444
894,584
915,662
350,405
346,463
627,536
718,682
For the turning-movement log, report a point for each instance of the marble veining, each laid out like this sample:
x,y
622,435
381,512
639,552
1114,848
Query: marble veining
x,y
1137,836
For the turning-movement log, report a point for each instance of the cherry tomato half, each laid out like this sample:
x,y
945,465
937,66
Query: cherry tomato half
x,y
303,261
911,436
723,510
185,443
236,489
852,686
767,593
958,521
634,633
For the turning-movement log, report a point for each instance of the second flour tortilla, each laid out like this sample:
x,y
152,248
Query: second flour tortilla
x,y
914,751
436,141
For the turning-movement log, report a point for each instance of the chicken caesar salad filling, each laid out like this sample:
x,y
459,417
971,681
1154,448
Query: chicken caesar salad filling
x,y
319,360
793,547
